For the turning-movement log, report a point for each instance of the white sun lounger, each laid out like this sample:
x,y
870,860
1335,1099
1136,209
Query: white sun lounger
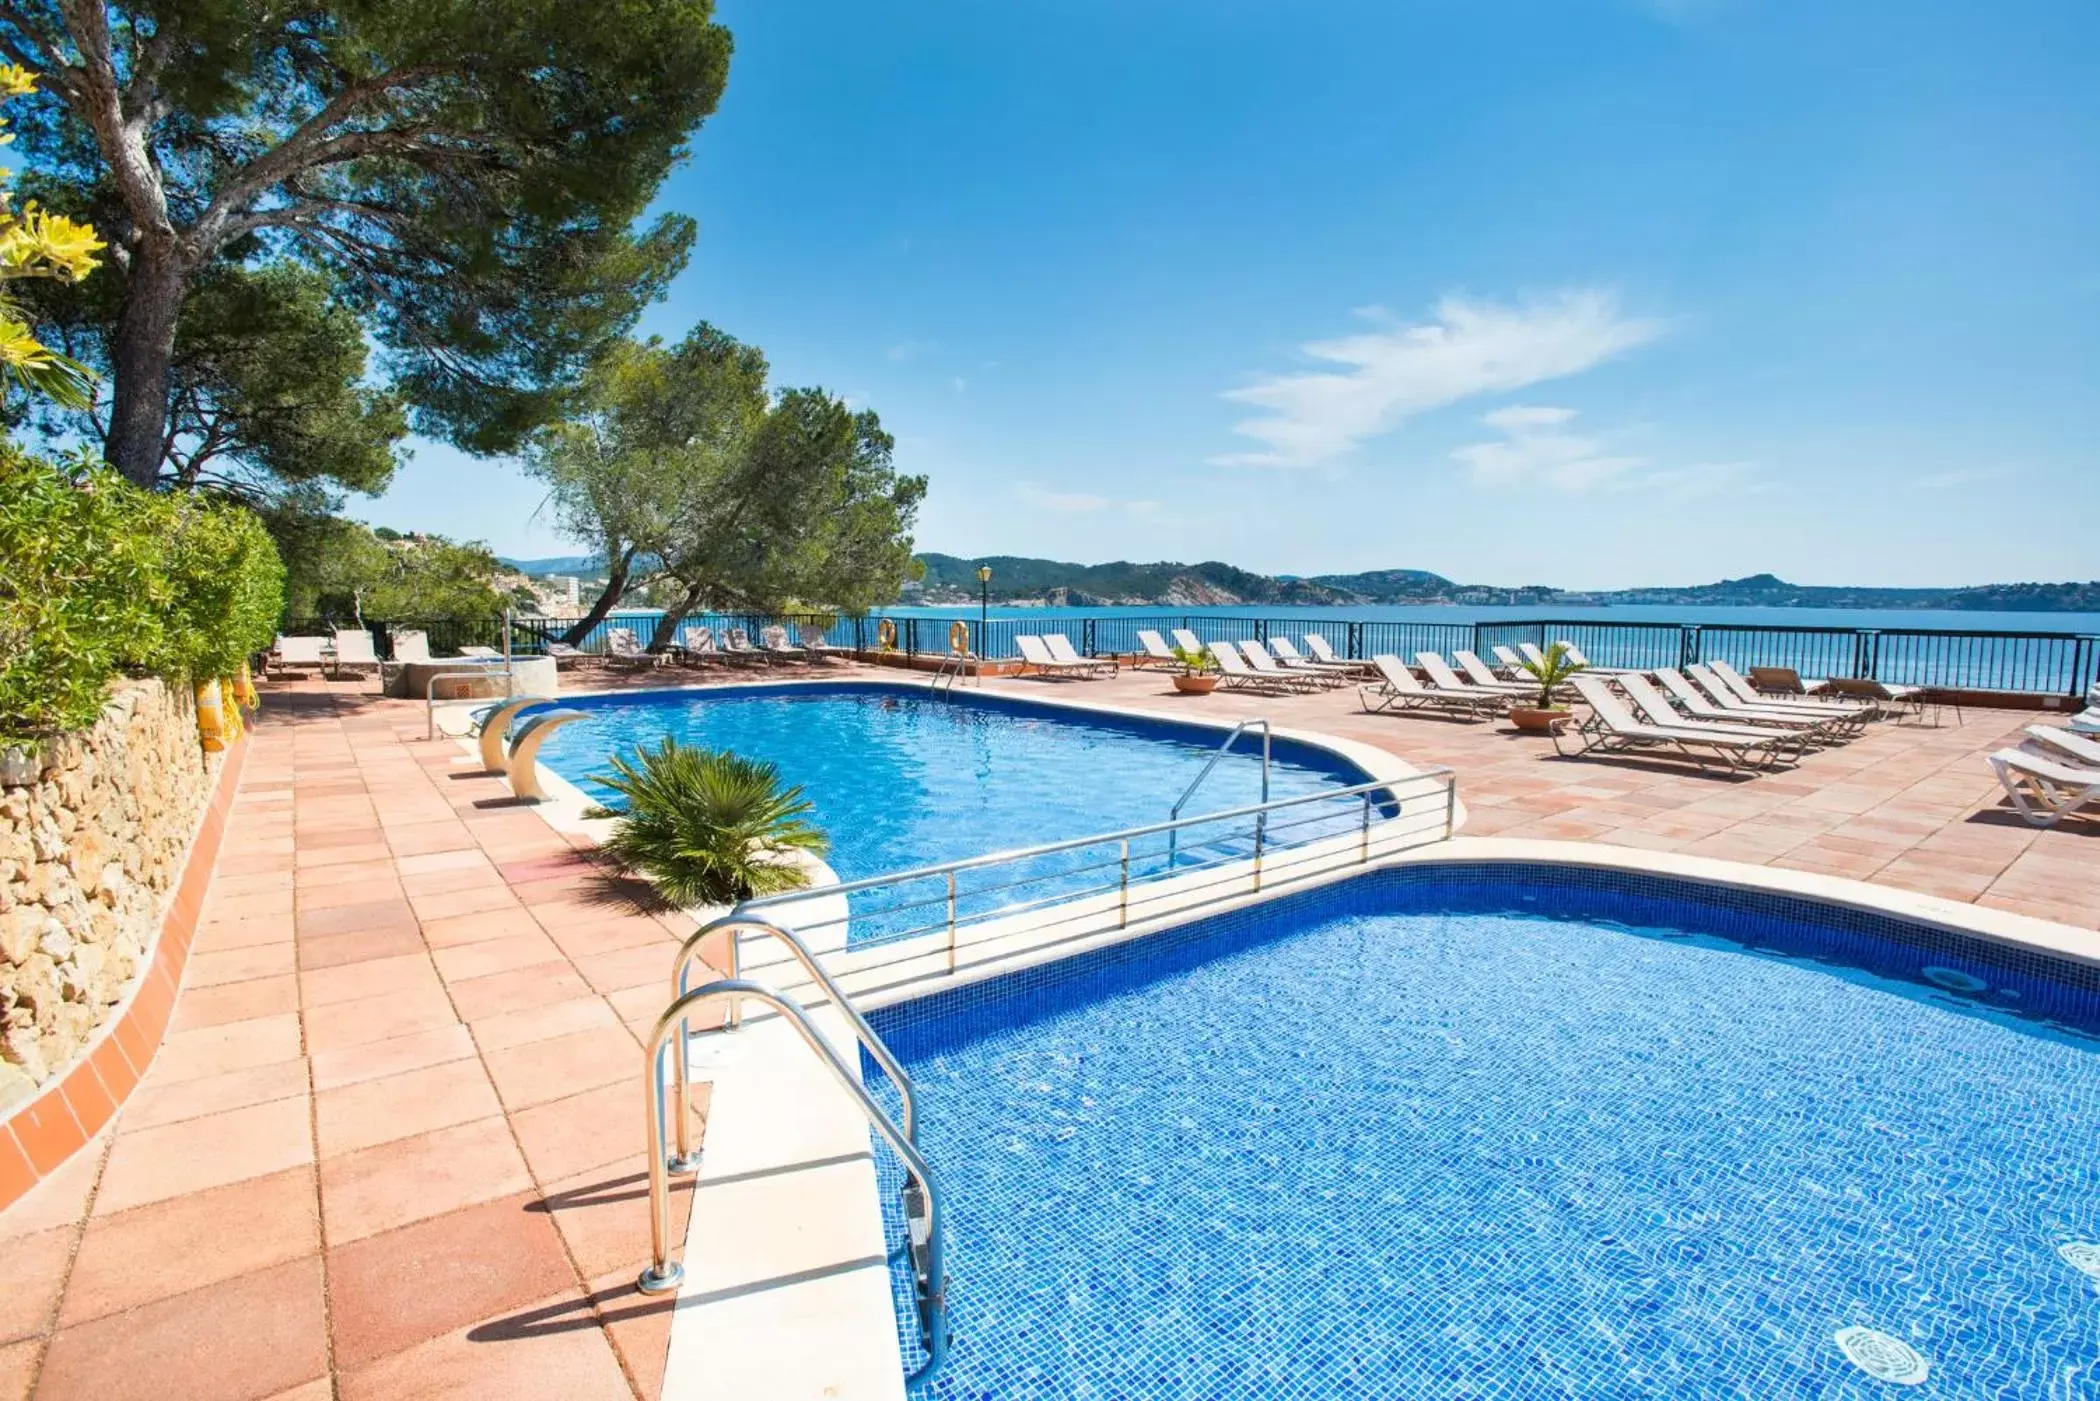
x,y
1323,652
773,641
1235,674
696,647
1286,652
1035,656
1398,689
1188,641
1509,658
2078,748
1655,708
353,647
1479,673
1153,651
736,645
2044,790
817,643
300,651
1295,677
481,654
1700,706
412,645
1061,648
623,648
1837,721
1611,728
566,656
1739,687
1445,679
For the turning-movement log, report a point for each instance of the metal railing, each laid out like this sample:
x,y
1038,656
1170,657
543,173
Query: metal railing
x,y
1267,742
2046,663
918,922
925,1214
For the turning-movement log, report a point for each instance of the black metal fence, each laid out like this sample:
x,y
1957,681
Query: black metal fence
x,y
2045,663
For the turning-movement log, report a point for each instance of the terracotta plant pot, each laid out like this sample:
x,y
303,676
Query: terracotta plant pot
x,y
1199,684
1537,722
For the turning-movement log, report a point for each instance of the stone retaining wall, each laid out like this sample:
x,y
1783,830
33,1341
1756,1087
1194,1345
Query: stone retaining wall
x,y
86,856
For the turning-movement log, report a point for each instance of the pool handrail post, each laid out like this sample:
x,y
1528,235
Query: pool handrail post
x,y
1450,805
951,921
1174,812
663,1275
1366,860
1123,889
735,924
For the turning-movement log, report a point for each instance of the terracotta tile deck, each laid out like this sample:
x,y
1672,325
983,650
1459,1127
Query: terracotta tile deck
x,y
388,1148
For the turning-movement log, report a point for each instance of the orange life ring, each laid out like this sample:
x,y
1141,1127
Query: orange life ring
x,y
886,634
959,638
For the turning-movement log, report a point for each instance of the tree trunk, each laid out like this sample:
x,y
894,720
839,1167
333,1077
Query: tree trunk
x,y
143,349
668,625
615,587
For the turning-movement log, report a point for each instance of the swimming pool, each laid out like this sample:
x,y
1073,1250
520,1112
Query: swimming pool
x,y
1479,1130
901,780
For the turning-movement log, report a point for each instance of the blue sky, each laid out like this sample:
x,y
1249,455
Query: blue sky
x,y
1587,292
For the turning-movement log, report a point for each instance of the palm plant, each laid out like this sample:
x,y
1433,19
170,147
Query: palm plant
x,y
709,827
1551,670
1198,662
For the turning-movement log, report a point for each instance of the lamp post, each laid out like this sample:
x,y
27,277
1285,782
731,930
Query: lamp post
x,y
984,604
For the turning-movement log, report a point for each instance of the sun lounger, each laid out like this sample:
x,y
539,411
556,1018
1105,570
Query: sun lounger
x,y
1153,651
1879,694
1611,728
1036,656
1697,704
1478,673
1236,674
481,654
300,651
412,645
695,647
1837,720
1654,707
1574,654
1511,661
774,642
736,645
1062,649
2045,790
1287,655
1719,673
1297,678
1398,689
1188,641
353,647
566,657
1445,679
818,644
624,649
1323,652
2078,748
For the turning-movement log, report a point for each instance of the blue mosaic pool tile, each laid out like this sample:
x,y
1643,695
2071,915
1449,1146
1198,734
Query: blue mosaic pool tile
x,y
1515,1131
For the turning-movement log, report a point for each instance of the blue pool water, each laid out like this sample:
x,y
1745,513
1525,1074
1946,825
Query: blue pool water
x,y
900,780
1508,1133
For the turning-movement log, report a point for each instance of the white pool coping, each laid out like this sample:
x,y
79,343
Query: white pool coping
x,y
787,1295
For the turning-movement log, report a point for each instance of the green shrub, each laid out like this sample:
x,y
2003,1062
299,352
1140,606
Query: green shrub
x,y
709,827
98,577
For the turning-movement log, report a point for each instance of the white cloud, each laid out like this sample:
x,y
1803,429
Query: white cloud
x,y
1393,373
1077,502
1537,449
907,350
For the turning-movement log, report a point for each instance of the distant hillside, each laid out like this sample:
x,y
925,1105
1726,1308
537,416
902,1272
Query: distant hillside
x,y
1769,591
1016,580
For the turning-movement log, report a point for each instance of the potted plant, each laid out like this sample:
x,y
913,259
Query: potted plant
x,y
1199,672
709,827
1551,671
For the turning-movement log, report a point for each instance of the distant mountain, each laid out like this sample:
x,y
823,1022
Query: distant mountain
x,y
1055,582
582,566
1770,591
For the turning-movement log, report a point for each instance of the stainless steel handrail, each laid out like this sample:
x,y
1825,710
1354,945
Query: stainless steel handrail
x,y
971,863
430,691
1237,730
685,1159
664,1274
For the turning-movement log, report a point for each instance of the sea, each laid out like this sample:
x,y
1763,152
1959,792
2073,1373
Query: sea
x,y
1939,619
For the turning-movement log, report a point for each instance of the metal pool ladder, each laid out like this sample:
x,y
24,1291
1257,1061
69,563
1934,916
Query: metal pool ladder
x,y
952,668
1261,819
924,1215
